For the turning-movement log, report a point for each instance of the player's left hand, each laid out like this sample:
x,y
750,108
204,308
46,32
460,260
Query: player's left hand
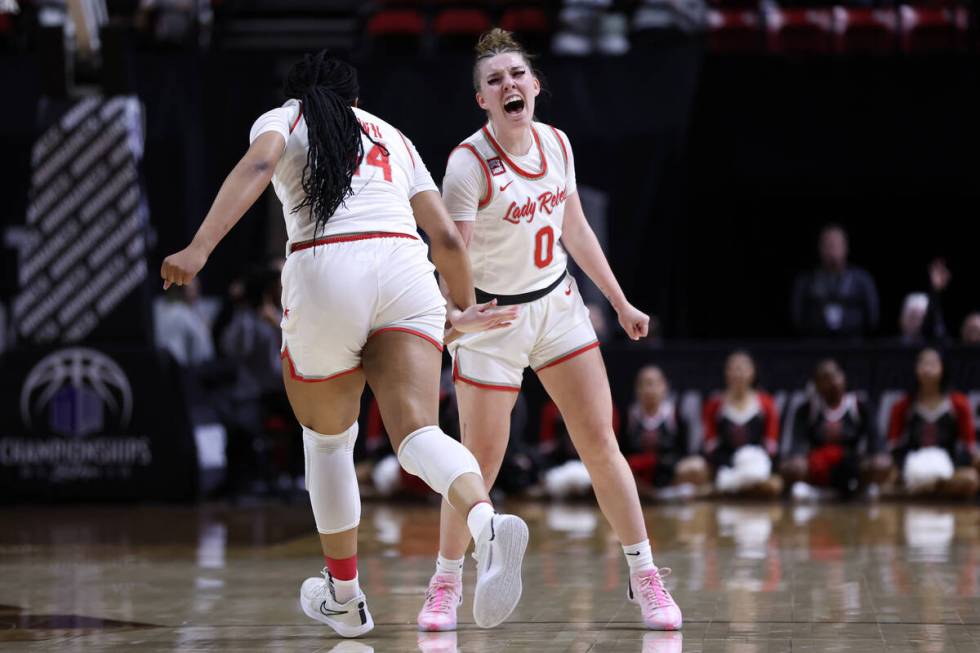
x,y
483,317
635,322
183,266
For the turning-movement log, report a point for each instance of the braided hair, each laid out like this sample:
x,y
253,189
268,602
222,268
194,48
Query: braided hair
x,y
327,88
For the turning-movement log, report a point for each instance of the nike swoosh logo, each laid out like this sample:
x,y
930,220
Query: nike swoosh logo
x,y
327,612
569,292
633,554
504,187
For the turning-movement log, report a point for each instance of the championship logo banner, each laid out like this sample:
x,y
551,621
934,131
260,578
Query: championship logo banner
x,y
82,250
82,423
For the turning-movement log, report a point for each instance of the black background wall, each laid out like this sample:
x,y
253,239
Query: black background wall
x,y
720,170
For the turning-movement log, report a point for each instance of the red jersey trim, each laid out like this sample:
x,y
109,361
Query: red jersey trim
x,y
296,376
503,155
896,421
478,384
572,354
964,419
405,141
348,238
435,343
488,195
561,141
296,122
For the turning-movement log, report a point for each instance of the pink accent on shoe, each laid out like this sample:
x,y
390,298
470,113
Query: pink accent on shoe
x,y
444,595
659,610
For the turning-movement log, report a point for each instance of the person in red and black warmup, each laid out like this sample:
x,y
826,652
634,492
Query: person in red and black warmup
x,y
935,416
656,437
834,443
741,415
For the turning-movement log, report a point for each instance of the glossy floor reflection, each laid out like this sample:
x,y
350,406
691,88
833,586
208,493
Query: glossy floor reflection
x,y
751,578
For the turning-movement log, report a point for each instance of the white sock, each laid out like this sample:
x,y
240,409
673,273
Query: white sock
x,y
449,566
345,590
639,556
479,517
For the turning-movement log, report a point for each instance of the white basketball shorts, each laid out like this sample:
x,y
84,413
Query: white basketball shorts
x,y
345,289
548,331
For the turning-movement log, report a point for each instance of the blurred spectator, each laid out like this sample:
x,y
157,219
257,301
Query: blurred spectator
x,y
970,331
264,446
922,318
181,329
585,26
833,437
931,434
741,432
562,473
836,299
656,437
658,18
174,22
252,338
913,316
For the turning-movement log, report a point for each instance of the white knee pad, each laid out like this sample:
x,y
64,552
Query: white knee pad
x,y
331,481
436,458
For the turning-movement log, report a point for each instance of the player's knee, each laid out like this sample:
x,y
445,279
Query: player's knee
x,y
332,480
436,458
600,451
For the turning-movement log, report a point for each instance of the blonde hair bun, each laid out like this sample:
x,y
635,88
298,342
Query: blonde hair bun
x,y
496,41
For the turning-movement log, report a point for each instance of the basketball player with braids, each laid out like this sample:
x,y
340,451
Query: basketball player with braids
x,y
360,303
511,189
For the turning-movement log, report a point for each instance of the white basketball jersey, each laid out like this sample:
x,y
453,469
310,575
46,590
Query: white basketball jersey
x,y
382,185
518,205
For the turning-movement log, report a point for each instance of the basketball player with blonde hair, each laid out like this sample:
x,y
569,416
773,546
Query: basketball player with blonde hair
x,y
511,190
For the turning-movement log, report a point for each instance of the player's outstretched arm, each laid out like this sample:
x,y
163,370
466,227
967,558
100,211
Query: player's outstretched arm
x,y
243,185
453,263
583,246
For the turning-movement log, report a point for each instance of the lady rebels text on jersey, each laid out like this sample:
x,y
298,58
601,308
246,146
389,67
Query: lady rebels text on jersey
x,y
518,203
372,206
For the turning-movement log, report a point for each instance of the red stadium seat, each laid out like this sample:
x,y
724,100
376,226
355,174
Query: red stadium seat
x,y
454,22
865,31
524,19
932,29
396,31
402,22
799,31
457,29
735,30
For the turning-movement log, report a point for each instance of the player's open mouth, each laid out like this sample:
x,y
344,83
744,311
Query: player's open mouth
x,y
514,104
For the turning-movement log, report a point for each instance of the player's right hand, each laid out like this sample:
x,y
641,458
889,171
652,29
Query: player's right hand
x,y
183,266
483,317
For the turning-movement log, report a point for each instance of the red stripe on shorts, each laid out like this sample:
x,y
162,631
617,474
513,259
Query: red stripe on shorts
x,y
571,354
424,336
296,376
348,238
485,386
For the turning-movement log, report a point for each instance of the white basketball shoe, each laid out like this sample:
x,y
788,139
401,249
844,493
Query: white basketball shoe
x,y
499,554
319,602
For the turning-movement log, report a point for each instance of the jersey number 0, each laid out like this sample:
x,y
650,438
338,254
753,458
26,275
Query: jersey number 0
x,y
544,246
